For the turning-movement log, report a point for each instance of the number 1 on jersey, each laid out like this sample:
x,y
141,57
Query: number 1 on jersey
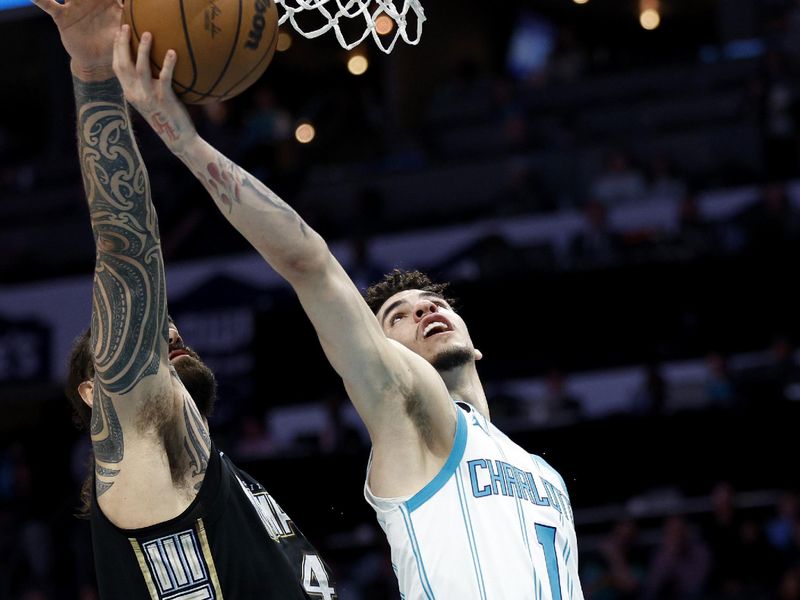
x,y
547,539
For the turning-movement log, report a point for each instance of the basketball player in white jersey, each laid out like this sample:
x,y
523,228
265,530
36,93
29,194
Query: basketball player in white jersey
x,y
467,512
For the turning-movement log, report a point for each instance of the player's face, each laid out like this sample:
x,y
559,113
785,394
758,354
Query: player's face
x,y
425,323
195,375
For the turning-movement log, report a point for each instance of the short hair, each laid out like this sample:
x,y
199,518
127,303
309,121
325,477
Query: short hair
x,y
399,280
81,368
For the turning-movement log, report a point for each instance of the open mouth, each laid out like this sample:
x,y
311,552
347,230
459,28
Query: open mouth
x,y
435,328
177,354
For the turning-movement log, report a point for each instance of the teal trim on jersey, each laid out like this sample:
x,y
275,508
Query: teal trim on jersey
x,y
412,536
456,454
476,559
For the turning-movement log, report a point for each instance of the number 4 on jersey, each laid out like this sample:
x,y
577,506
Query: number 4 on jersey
x,y
315,578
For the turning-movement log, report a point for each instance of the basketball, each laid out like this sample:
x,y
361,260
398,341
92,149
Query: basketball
x,y
223,46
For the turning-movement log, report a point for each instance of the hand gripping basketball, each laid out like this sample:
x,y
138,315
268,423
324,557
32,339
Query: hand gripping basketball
x,y
153,98
223,46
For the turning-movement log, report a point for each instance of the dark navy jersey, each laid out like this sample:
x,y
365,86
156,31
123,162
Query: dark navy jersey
x,y
232,542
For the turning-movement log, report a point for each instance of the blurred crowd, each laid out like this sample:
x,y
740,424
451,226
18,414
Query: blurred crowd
x,y
727,552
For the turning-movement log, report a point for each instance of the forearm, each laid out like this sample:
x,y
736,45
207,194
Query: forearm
x,y
129,323
273,227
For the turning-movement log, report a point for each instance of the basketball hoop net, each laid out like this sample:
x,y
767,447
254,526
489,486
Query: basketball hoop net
x,y
342,11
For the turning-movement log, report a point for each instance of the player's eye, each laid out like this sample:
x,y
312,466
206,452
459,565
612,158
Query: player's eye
x,y
395,318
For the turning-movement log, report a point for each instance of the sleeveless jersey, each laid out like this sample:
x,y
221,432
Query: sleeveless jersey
x,y
494,524
232,542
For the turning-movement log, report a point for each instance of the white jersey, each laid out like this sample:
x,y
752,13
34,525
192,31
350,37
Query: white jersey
x,y
494,524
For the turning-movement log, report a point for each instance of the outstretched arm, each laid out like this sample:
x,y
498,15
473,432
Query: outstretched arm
x,y
134,396
137,396
378,373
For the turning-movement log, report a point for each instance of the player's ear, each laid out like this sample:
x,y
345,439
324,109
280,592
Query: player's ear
x,y
477,354
86,392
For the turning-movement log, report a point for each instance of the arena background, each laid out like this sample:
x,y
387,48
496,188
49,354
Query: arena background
x,y
618,209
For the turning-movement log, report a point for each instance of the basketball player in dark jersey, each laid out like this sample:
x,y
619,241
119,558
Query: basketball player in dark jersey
x,y
171,516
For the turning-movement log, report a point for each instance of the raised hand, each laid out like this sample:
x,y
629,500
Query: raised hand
x,y
153,98
88,29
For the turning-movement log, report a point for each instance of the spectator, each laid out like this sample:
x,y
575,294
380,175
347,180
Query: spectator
x,y
772,222
215,125
617,573
779,116
619,182
696,236
723,536
756,561
557,406
664,184
254,440
650,399
789,588
338,435
267,123
680,566
568,61
782,528
720,389
772,382
364,269
596,245
510,115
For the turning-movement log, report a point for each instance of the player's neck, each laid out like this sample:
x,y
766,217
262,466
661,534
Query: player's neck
x,y
464,384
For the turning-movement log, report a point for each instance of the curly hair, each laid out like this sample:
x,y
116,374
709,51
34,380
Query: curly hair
x,y
81,368
399,281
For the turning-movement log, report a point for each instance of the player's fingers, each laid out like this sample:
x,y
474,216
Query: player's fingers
x,y
48,6
143,58
165,77
122,64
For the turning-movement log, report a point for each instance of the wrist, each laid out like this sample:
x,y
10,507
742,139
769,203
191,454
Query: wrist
x,y
176,130
91,73
188,145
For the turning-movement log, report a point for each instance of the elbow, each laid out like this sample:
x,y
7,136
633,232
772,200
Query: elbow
x,y
307,263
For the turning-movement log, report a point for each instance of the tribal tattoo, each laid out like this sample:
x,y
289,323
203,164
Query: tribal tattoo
x,y
129,319
129,305
197,443
107,441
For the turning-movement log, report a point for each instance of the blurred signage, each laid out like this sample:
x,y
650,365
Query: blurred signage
x,y
24,351
5,4
217,320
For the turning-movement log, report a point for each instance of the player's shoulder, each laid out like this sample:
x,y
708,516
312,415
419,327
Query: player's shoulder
x,y
546,467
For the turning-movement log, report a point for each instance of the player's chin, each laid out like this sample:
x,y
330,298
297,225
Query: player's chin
x,y
451,357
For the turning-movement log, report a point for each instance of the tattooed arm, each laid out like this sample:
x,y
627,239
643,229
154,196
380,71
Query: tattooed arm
x,y
379,374
138,407
141,414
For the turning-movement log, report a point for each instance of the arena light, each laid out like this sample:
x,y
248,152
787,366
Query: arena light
x,y
650,19
305,133
649,14
384,24
284,41
580,1
357,64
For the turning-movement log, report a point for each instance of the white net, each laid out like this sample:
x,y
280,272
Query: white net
x,y
340,12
